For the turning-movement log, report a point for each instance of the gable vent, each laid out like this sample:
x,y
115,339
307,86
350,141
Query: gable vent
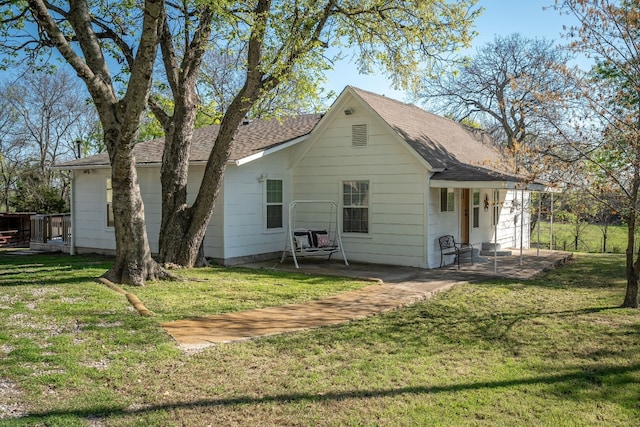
x,y
359,135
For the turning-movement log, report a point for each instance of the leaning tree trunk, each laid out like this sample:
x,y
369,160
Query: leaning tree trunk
x,y
184,227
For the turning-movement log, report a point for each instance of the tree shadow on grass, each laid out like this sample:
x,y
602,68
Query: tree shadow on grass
x,y
452,323
49,269
601,383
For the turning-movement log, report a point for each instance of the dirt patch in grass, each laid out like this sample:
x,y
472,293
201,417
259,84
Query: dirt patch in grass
x,y
10,404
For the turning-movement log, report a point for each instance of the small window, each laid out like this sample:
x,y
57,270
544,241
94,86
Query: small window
x,y
447,200
476,209
110,220
355,211
274,203
359,135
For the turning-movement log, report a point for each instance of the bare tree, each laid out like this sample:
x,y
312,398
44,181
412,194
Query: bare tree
x,y
10,148
511,86
52,114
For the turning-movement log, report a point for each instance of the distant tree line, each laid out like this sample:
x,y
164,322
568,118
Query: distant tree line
x,y
44,118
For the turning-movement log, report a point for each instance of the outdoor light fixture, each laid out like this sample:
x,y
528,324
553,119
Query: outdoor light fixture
x,y
514,206
348,111
486,202
262,177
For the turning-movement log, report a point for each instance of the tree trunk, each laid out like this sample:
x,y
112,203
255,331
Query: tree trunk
x,y
133,264
180,241
182,235
631,295
632,268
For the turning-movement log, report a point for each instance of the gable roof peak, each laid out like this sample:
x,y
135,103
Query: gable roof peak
x,y
439,140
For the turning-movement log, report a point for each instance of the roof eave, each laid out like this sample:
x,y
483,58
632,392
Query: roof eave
x,y
497,184
80,167
269,151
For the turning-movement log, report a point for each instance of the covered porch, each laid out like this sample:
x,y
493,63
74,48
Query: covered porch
x,y
494,214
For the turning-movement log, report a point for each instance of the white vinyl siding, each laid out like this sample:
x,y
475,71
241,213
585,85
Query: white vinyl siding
x,y
90,217
245,207
396,184
495,216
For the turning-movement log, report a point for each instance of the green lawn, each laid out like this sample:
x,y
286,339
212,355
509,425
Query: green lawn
x,y
551,351
590,238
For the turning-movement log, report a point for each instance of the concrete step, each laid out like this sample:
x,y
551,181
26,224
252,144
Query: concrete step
x,y
501,252
490,246
491,249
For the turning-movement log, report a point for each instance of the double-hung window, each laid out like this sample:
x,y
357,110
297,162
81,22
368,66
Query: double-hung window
x,y
274,208
355,209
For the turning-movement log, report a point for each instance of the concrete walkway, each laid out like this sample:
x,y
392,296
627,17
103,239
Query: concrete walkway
x,y
396,287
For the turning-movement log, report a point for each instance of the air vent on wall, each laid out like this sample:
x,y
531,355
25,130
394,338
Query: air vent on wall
x,y
359,135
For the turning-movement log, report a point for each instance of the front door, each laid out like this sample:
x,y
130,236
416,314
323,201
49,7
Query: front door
x,y
464,216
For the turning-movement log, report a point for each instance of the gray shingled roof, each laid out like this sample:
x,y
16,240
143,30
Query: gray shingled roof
x,y
440,141
463,153
251,138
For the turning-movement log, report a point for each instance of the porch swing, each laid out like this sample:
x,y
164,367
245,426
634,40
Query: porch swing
x,y
311,231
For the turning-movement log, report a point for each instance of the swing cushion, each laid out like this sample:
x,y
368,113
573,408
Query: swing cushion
x,y
320,238
302,239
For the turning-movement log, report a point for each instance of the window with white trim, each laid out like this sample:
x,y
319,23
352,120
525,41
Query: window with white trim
x,y
274,203
110,220
447,200
355,206
475,211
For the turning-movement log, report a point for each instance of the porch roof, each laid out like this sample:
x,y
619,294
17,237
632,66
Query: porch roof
x,y
468,176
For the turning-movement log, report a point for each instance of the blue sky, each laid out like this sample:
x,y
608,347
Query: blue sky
x,y
500,17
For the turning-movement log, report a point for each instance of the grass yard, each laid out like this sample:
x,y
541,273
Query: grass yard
x,y
590,239
551,351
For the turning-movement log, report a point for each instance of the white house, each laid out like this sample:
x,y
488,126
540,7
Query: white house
x,y
400,176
